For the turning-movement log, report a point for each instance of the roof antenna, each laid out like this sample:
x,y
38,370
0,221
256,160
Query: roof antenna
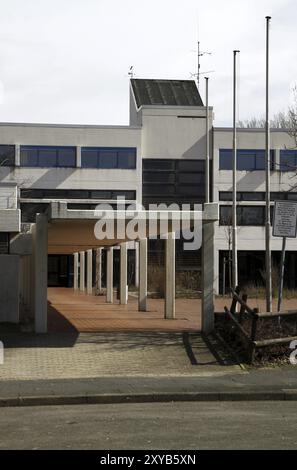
x,y
198,73
131,71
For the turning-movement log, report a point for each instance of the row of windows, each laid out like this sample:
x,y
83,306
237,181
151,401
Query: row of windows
x,y
49,156
76,194
257,196
250,160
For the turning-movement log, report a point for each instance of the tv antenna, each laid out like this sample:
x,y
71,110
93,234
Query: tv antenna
x,y
198,73
131,71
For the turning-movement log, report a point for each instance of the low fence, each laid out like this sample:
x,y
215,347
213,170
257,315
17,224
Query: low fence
x,y
249,338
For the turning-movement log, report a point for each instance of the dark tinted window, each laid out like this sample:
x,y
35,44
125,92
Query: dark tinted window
x,y
7,155
246,215
242,196
288,160
108,157
174,180
47,157
75,194
247,160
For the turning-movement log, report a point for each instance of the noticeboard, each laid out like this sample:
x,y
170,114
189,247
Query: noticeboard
x,y
285,219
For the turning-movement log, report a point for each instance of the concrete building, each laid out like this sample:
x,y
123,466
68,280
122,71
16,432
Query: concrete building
x,y
62,172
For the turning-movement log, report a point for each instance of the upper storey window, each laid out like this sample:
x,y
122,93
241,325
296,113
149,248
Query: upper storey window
x,y
7,155
247,160
43,156
108,157
288,160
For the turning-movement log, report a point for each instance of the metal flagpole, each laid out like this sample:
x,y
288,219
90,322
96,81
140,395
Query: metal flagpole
x,y
281,275
234,182
207,144
267,180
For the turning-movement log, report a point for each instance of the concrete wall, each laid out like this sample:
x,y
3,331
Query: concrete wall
x,y
79,136
9,288
174,132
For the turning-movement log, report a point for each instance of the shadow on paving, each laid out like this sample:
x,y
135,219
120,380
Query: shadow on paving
x,y
200,350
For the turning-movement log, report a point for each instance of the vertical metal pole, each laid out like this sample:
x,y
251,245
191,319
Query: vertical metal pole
x,y
207,144
267,180
281,275
198,66
234,182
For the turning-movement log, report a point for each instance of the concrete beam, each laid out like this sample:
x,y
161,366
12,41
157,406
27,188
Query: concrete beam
x,y
75,271
89,272
142,291
109,275
40,273
123,273
82,270
170,276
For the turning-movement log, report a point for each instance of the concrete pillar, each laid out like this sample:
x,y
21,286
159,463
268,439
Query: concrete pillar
x,y
208,273
136,264
40,274
170,276
75,271
89,272
109,275
98,281
123,273
82,270
142,291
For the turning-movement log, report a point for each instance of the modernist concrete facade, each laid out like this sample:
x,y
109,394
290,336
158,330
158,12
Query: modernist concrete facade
x,y
63,171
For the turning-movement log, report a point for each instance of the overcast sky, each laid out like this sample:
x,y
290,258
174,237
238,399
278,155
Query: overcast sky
x,y
67,61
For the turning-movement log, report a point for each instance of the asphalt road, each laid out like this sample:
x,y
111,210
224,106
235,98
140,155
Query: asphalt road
x,y
218,425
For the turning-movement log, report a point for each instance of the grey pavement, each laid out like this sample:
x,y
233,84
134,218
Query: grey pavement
x,y
217,425
113,368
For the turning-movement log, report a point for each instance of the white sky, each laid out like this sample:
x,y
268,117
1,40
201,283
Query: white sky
x,y
67,61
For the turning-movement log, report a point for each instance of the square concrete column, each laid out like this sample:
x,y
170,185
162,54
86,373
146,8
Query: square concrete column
x,y
208,274
109,275
170,276
90,271
98,281
75,271
142,291
40,273
82,270
123,273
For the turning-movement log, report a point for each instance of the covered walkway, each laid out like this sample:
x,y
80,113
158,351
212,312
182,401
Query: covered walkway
x,y
70,310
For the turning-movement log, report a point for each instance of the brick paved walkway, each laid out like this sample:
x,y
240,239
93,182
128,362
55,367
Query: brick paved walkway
x,y
94,355
75,311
